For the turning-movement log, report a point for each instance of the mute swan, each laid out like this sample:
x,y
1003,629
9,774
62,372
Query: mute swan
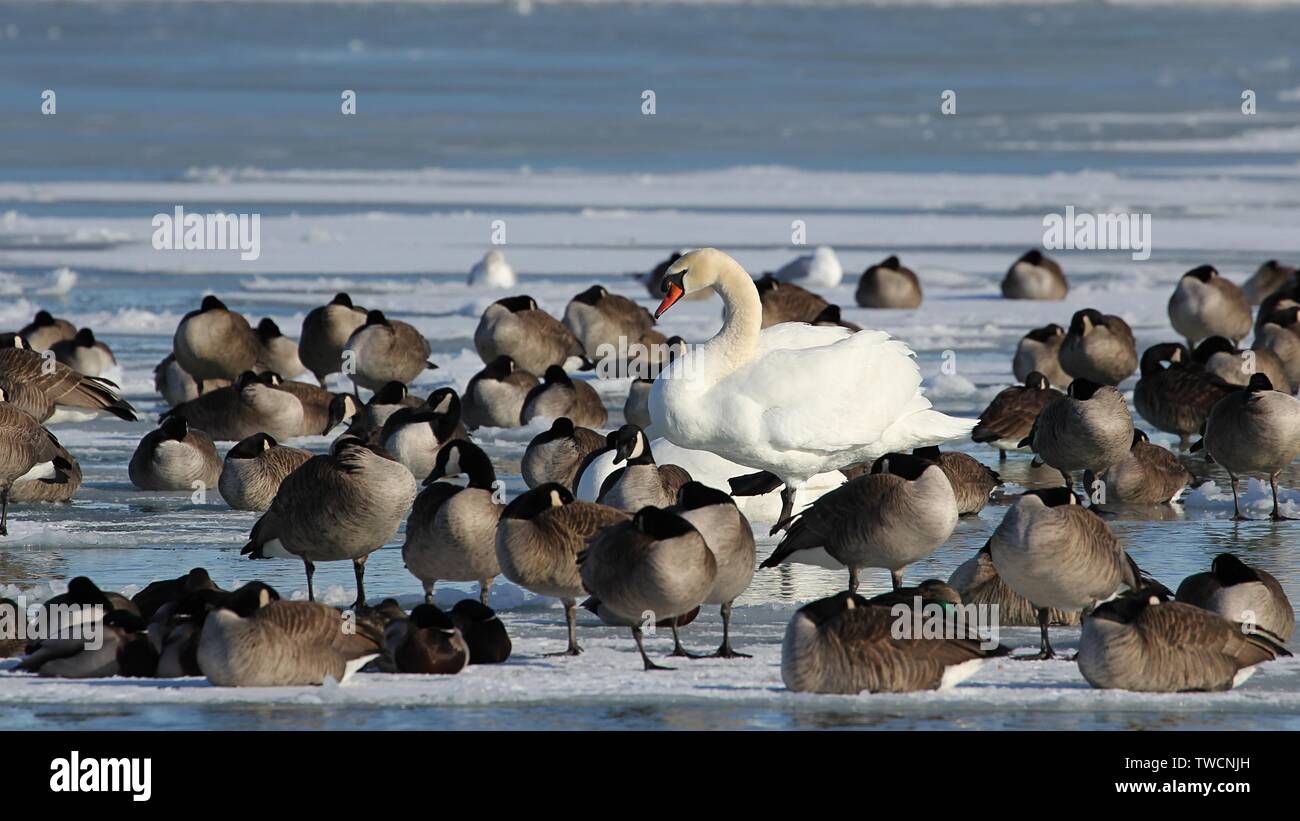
x,y
795,400
819,269
492,271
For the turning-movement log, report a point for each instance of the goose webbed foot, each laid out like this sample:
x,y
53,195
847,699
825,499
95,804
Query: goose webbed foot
x,y
645,660
1278,516
573,650
678,650
725,652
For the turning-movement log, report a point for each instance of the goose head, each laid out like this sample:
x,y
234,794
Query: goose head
x,y
376,317
392,393
12,340
1284,317
1139,436
555,375
661,525
460,456
517,304
823,610
247,600
1084,321
4,397
1036,381
591,296
174,427
695,271
85,338
1083,389
1212,345
444,400
43,319
342,406
903,465
1204,273
1126,609
1174,353
561,428
252,446
499,368
538,500
1033,256
211,303
696,495
1259,383
268,330
1052,496
1230,570
343,299
630,445
1045,333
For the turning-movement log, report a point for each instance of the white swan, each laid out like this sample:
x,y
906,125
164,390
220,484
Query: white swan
x,y
821,268
492,271
794,399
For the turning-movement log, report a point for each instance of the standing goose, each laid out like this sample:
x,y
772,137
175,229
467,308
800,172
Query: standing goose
x,y
555,455
387,350
1035,276
744,394
24,445
729,537
559,395
416,435
1278,341
339,506
1176,398
495,395
972,482
253,470
1099,348
598,318
85,354
657,563
641,483
45,329
1205,304
888,284
896,515
52,483
486,636
977,582
42,387
325,333
1040,350
1140,642
428,642
1010,416
215,342
277,352
844,644
1149,475
538,540
492,271
451,532
1090,428
1241,593
176,386
787,302
1218,357
533,339
254,404
820,269
1268,279
175,456
1251,431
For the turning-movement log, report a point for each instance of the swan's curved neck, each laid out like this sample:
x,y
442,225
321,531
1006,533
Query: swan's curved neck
x,y
742,319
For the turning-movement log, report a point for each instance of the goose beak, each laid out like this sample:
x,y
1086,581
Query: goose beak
x,y
675,293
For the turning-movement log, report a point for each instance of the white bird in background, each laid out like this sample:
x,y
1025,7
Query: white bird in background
x,y
492,271
795,400
819,269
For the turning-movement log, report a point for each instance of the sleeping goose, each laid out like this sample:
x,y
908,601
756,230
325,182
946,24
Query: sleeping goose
x,y
556,454
1035,276
977,582
176,386
559,395
27,446
322,411
598,318
1251,431
122,649
729,537
46,388
1271,277
1040,350
972,482
533,339
495,395
368,419
896,515
85,354
1142,643
175,456
277,352
215,342
325,334
387,350
52,482
1090,428
787,302
492,271
427,642
744,394
641,483
1149,475
415,435
888,284
254,404
1242,594
157,594
253,470
45,329
1010,416
1205,304
484,634
820,269
1176,398
1099,347
1218,357
538,540
451,532
1278,342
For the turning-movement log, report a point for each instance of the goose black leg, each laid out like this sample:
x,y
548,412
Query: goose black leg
x,y
725,650
359,568
571,619
1277,511
678,650
1002,456
649,665
428,592
484,590
4,512
854,574
1236,507
311,571
896,578
1045,650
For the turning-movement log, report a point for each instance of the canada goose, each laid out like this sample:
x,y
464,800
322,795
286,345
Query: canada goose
x,y
492,271
1271,277
1059,555
820,269
977,581
1010,416
254,404
451,532
730,538
831,316
387,350
1221,359
325,334
215,342
1254,430
282,644
533,339
1277,301
538,540
27,445
641,483
1099,348
888,284
1241,593
1278,341
156,594
44,330
175,456
636,408
254,469
787,302
368,419
972,482
84,354
342,505
176,628
1176,398
598,318
427,642
277,352
844,644
121,649
82,591
559,395
657,563
176,386
1090,428
48,482
41,386
1140,642
494,397
322,411
1035,276
555,455
486,636
1149,475
1205,304
414,436
897,514
1040,350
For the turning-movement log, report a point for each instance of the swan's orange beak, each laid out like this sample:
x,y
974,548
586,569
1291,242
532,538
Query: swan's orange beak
x,y
674,293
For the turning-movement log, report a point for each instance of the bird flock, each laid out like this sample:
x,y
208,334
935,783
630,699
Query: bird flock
x,y
788,415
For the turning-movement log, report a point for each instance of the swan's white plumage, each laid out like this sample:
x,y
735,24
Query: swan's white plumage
x,y
821,268
492,271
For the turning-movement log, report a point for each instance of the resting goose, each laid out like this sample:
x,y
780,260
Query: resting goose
x,y
1254,430
1090,428
368,420
977,582
888,284
50,482
1010,416
451,532
175,456
1221,359
1205,304
415,435
322,411
486,636
820,269
729,537
745,394
972,482
253,470
1142,643
495,395
1271,277
428,642
277,352
45,388
1099,348
598,319
325,334
1278,343
1176,398
1241,593
641,483
1040,351
85,354
215,342
254,404
1149,475
555,455
787,302
1035,276
515,327
157,594
45,329
122,650
27,445
387,350
558,395
176,386
492,271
